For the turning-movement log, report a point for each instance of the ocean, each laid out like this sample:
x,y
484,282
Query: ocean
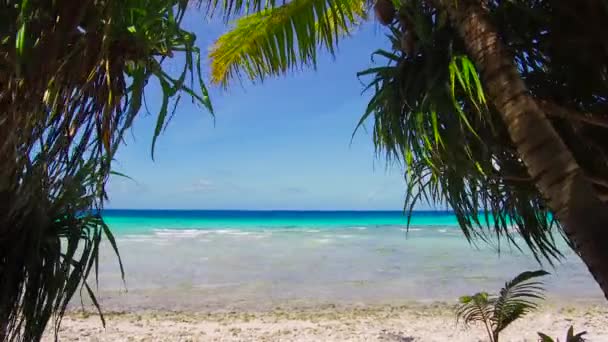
x,y
231,259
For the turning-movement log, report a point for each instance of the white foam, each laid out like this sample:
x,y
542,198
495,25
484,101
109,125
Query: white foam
x,y
137,238
180,233
221,231
189,233
141,239
237,232
291,230
146,239
410,229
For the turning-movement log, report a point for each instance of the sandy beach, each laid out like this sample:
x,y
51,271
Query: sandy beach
x,y
315,280
413,322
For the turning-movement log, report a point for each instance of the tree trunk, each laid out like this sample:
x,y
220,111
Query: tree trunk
x,y
548,160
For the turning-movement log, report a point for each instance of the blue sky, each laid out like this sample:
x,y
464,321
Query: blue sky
x,y
281,144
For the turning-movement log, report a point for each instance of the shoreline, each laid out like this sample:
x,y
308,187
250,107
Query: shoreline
x,y
327,322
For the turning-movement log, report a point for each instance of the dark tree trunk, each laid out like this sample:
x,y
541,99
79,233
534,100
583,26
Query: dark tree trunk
x,y
548,160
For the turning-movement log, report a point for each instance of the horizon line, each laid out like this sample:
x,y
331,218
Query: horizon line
x,y
270,210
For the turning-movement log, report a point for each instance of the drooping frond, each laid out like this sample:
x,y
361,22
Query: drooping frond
x,y
275,40
429,112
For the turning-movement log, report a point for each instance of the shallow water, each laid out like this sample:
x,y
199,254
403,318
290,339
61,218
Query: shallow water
x,y
192,260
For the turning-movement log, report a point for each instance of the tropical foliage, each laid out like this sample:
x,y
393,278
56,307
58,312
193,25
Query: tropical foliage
x,y
72,80
475,163
570,336
516,299
430,109
274,40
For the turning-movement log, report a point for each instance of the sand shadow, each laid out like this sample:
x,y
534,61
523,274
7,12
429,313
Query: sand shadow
x,y
396,337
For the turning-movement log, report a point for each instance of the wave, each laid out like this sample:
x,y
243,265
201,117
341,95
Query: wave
x,y
193,233
180,233
293,230
137,238
410,229
231,232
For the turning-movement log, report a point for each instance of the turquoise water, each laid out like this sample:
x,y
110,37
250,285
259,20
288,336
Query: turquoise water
x,y
128,221
231,259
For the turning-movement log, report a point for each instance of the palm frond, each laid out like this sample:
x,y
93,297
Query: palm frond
x,y
517,298
475,308
73,77
275,40
570,336
234,8
429,112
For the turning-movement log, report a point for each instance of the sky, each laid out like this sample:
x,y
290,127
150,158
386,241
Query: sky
x,y
281,144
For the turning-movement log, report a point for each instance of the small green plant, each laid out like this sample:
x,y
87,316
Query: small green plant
x,y
570,336
515,300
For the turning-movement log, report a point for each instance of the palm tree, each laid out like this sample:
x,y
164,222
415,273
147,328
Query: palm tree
x,y
487,106
548,160
516,299
72,80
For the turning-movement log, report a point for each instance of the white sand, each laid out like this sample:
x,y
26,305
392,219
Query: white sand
x,y
328,323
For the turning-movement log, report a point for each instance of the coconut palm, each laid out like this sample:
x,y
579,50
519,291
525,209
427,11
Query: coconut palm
x,y
495,107
516,299
558,175
72,80
430,111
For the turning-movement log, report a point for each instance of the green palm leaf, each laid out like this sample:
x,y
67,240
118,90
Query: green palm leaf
x,y
276,40
474,308
570,336
517,298
69,113
429,112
